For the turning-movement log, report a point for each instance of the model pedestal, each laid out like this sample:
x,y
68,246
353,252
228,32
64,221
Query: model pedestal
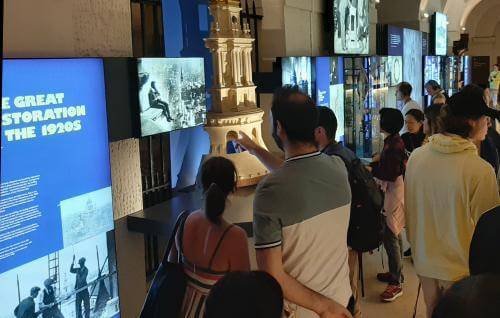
x,y
222,127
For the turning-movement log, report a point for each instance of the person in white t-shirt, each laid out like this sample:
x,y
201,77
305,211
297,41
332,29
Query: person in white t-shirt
x,y
403,94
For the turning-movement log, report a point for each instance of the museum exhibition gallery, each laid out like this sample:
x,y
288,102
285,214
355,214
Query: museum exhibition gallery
x,y
110,108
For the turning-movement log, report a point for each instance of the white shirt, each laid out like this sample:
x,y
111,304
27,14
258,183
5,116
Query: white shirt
x,y
411,104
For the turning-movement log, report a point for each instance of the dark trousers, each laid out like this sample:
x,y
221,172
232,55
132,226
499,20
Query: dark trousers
x,y
393,245
84,297
163,106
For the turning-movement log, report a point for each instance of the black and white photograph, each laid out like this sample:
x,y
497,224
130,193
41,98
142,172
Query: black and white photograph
x,y
86,215
336,70
351,26
79,281
298,71
433,70
394,70
378,74
171,94
412,62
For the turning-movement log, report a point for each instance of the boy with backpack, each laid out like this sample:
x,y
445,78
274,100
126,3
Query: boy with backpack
x,y
365,225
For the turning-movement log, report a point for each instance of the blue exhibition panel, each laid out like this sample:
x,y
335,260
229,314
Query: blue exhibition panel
x,y
56,214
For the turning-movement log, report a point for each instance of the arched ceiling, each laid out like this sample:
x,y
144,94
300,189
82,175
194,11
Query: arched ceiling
x,y
483,19
479,17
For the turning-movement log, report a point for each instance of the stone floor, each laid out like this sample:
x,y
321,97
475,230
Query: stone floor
x,y
401,308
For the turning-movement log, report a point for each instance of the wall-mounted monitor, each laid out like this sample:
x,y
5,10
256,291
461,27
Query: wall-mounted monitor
x,y
57,247
434,70
412,62
298,70
351,31
439,33
171,94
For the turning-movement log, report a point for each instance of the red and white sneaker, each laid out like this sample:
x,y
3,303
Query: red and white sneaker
x,y
391,293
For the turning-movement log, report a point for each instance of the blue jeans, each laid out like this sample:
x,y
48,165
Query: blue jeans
x,y
393,245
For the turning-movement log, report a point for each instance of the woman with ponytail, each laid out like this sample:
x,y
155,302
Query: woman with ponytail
x,y
210,247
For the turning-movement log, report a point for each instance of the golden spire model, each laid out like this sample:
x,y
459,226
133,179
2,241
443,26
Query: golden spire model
x,y
234,106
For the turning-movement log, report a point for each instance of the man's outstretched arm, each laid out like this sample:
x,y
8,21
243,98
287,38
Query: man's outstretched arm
x,y
269,160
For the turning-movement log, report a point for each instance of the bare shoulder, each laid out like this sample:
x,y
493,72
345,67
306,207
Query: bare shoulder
x,y
194,216
236,232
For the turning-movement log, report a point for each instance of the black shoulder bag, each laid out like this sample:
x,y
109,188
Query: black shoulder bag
x,y
166,294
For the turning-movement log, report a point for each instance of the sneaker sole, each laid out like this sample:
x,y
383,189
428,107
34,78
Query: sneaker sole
x,y
388,300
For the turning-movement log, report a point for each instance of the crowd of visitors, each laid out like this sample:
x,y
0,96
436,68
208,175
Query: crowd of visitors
x,y
440,186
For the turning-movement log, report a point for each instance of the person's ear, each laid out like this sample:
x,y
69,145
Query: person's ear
x,y
279,128
318,131
472,123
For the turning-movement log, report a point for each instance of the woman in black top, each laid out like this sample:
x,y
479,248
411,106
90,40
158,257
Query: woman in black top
x,y
415,136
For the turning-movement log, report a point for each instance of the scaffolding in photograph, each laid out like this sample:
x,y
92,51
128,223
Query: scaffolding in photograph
x,y
54,271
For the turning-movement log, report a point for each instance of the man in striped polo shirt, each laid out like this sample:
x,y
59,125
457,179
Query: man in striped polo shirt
x,y
301,216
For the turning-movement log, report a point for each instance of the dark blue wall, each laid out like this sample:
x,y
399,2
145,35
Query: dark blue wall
x,y
186,24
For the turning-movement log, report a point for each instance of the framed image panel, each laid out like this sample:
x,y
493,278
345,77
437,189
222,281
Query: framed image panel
x,y
298,70
351,19
412,62
171,94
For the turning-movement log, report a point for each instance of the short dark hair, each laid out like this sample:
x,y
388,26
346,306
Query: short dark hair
x,y
432,83
474,296
405,88
457,125
218,179
416,113
34,291
296,113
245,295
391,120
473,89
454,119
328,121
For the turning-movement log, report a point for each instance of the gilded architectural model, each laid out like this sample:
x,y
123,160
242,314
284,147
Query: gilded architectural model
x,y
234,106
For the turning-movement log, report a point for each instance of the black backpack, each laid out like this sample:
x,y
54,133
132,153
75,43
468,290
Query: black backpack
x,y
366,221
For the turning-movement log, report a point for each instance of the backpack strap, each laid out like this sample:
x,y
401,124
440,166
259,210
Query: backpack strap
x,y
346,163
218,246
